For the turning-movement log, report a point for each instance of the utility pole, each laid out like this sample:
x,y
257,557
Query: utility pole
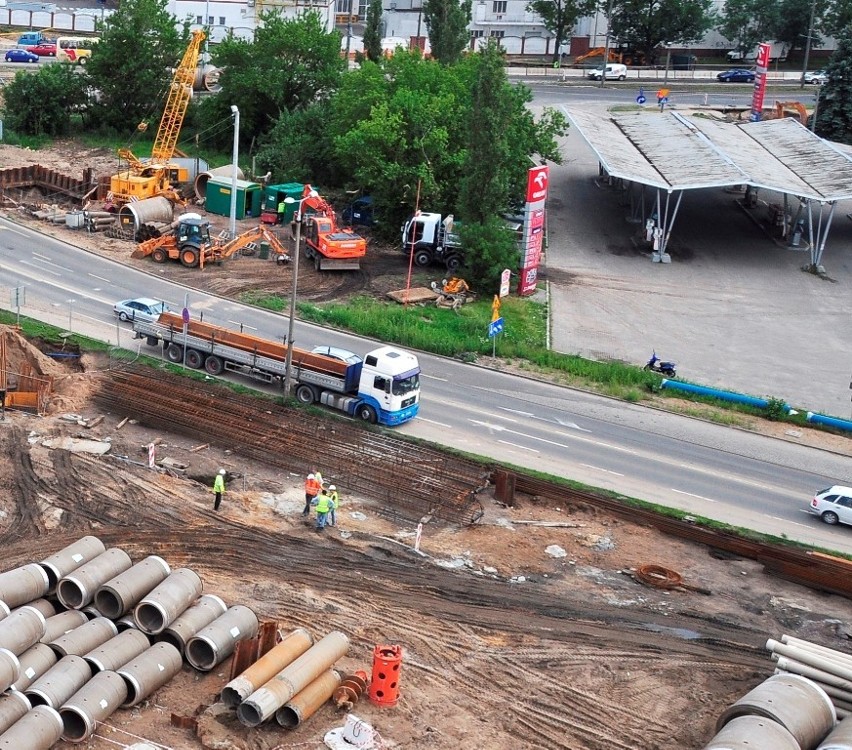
x,y
606,45
808,44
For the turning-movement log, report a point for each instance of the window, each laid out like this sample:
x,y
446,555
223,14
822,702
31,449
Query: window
x,y
199,20
209,20
380,383
497,34
477,34
844,502
221,20
498,6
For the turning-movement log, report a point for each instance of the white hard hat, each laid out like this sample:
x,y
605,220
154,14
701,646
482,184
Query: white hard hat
x,y
222,472
332,487
311,476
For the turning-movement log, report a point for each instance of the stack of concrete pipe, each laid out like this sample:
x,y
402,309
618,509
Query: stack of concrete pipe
x,y
63,670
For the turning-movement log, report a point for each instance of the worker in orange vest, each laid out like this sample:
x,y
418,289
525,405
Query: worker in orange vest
x,y
312,488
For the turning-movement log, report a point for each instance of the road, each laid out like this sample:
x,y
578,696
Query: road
x,y
728,475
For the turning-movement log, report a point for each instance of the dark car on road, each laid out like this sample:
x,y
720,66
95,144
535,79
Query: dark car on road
x,y
736,75
20,55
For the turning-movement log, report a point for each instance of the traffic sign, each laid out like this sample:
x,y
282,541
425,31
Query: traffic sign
x,y
495,327
640,99
505,277
495,309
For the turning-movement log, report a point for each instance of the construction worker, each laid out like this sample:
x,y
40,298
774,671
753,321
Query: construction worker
x,y
323,507
334,497
312,488
219,488
282,211
319,478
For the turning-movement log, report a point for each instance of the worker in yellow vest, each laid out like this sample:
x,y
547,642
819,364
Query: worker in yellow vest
x,y
334,496
219,488
323,507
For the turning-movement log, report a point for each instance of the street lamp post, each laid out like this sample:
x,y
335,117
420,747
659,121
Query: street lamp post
x,y
235,158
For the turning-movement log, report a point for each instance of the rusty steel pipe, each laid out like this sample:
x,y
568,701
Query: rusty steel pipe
x,y
13,705
60,682
117,651
264,669
162,606
307,702
119,595
215,643
10,668
77,589
85,638
23,585
35,661
93,702
264,702
205,609
38,729
63,623
21,629
149,671
68,559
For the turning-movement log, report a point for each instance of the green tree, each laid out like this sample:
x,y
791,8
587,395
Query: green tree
x,y
794,18
373,31
447,22
488,249
836,17
646,24
559,17
39,103
834,113
132,65
748,22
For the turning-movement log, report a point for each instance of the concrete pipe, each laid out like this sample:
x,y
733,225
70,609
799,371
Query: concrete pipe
x,y
126,623
752,733
63,623
117,651
840,737
10,668
21,629
136,214
264,669
207,79
217,641
305,704
166,603
121,594
23,585
262,704
91,612
94,702
836,694
811,658
68,559
812,673
34,662
42,605
149,671
202,179
60,682
85,638
13,706
205,609
38,729
837,657
794,702
76,590
4,610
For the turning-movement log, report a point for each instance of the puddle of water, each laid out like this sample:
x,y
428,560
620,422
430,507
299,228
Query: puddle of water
x,y
683,633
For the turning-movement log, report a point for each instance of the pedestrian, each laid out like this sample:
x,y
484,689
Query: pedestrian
x,y
282,212
219,488
334,497
312,488
323,507
319,478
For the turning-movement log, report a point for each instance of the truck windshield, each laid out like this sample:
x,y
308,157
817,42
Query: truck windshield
x,y
401,386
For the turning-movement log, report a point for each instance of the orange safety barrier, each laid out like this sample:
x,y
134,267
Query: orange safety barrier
x,y
384,687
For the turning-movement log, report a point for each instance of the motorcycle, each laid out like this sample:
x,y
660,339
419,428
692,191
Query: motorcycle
x,y
655,364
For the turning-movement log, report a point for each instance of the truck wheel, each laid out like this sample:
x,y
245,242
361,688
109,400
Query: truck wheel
x,y
159,255
305,394
189,257
214,365
453,263
194,359
174,353
367,413
422,258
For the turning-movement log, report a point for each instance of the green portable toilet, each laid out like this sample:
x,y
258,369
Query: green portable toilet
x,y
218,201
274,194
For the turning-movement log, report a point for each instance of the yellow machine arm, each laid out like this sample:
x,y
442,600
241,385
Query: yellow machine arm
x,y
180,94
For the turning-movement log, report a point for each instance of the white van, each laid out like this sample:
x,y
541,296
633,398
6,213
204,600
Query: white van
x,y
614,72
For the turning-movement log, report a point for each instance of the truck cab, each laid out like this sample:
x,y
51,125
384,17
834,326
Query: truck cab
x,y
432,238
389,387
31,38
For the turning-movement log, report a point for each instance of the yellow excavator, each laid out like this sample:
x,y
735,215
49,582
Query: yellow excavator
x,y
157,176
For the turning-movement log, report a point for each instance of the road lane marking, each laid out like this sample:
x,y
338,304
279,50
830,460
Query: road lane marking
x,y
515,445
700,497
605,471
792,523
432,421
500,428
99,278
16,231
433,377
517,411
49,262
27,263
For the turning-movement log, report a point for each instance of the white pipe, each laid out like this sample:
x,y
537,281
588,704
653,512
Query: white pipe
x,y
811,659
816,648
805,670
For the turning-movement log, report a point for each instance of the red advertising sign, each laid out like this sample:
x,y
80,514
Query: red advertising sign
x,y
763,51
537,184
528,280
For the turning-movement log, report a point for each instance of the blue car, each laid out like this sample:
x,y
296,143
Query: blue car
x,y
21,55
736,75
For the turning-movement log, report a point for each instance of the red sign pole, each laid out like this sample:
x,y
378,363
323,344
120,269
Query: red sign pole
x,y
763,51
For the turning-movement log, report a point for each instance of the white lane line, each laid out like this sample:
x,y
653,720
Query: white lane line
x,y
51,263
432,421
792,523
10,229
599,443
27,263
99,278
518,412
572,425
432,377
700,497
605,471
530,415
515,445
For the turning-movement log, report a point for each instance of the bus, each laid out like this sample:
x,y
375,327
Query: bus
x,y
75,49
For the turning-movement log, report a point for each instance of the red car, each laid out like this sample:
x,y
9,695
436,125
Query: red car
x,y
44,49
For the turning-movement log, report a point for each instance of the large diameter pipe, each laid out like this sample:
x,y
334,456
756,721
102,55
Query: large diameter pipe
x,y
839,424
307,702
77,589
13,706
205,609
216,642
42,605
69,558
262,704
10,668
21,629
4,610
60,682
702,390
63,623
157,209
752,733
149,671
162,606
840,737
126,623
93,702
202,179
117,651
38,729
23,585
264,669
34,662
119,595
85,638
794,702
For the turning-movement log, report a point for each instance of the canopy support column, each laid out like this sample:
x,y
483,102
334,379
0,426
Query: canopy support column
x,y
663,230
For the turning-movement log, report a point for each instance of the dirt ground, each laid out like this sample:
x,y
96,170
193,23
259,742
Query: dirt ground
x,y
515,635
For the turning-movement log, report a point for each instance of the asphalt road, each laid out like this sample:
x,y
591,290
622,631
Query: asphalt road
x,y
706,469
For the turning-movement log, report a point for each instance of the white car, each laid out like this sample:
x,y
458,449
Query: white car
x,y
614,72
833,505
141,308
817,77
